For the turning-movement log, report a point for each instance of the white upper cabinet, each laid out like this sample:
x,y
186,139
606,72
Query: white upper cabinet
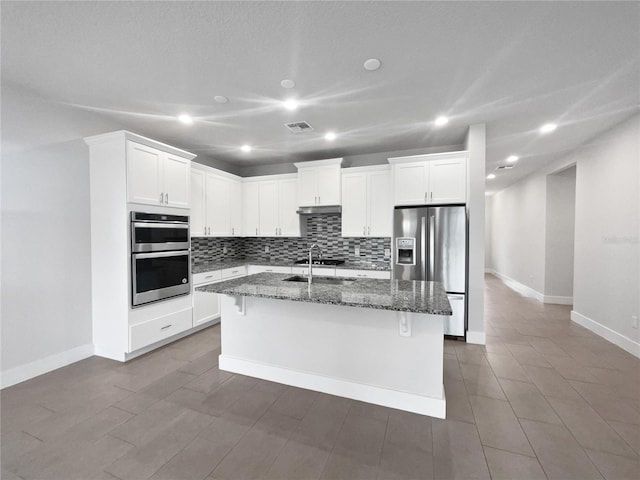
x,y
319,182
216,203
250,209
269,206
157,177
289,220
430,179
235,199
367,209
198,203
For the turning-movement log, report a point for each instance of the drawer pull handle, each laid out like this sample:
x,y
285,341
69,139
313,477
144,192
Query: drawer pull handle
x,y
209,276
166,326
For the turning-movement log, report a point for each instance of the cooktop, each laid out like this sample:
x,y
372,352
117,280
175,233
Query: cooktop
x,y
322,261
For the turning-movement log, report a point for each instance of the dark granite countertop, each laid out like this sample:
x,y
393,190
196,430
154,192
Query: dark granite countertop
x,y
400,295
219,265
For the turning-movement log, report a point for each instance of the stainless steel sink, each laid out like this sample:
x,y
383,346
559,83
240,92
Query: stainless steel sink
x,y
321,280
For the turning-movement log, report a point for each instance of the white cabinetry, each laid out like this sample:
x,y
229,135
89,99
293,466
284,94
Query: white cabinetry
x,y
206,306
319,182
269,206
268,268
379,274
367,208
216,203
430,179
126,171
157,177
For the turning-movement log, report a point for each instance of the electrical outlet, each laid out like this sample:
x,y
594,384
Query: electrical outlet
x,y
224,249
387,252
266,249
634,321
356,251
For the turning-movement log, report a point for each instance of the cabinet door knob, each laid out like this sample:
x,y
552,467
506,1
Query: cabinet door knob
x,y
161,197
256,232
166,198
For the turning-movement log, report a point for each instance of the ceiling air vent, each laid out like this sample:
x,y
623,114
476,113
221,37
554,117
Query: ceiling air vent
x,y
504,167
298,127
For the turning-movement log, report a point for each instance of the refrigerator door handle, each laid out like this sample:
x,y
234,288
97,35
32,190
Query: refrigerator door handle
x,y
432,246
423,245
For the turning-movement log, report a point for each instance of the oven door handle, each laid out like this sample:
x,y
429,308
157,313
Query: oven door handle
x,y
160,225
176,253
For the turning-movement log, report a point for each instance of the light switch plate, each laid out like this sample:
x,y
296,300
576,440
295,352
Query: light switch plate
x,y
266,249
387,252
356,251
224,249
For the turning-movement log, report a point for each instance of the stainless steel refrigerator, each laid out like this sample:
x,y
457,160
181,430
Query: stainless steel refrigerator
x,y
430,243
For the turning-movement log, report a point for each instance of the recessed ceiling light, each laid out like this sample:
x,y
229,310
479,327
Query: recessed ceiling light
x,y
245,148
491,176
186,119
221,99
372,64
440,121
548,127
512,158
287,83
290,104
330,136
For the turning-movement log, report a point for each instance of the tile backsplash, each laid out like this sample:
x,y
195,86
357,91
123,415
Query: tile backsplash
x,y
321,229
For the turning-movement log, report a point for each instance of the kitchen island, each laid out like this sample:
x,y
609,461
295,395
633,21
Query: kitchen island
x,y
378,341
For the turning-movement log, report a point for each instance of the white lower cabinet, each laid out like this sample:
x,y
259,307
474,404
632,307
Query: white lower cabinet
x,y
206,306
454,324
151,331
379,274
268,268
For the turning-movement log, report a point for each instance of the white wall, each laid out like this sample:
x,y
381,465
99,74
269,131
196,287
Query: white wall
x,y
518,232
475,143
559,242
488,213
607,260
46,295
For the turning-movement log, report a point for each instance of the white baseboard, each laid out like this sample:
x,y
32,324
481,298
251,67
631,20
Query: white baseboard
x,y
519,287
478,338
434,407
605,332
44,365
556,300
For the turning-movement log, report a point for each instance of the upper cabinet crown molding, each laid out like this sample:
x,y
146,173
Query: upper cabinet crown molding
x,y
125,135
426,157
319,163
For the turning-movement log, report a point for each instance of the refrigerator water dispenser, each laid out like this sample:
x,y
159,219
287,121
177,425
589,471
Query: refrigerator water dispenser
x,y
405,251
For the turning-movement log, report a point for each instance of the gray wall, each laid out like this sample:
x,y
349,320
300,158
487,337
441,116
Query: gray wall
x,y
45,230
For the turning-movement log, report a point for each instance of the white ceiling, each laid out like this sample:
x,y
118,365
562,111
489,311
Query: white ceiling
x,y
513,66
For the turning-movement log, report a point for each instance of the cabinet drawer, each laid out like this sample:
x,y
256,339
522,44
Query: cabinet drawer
x,y
146,333
320,271
207,277
234,272
263,268
380,274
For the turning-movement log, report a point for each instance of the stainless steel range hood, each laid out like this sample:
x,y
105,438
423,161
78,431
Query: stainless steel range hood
x,y
319,210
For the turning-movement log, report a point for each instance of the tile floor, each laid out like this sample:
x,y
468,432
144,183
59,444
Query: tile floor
x,y
544,398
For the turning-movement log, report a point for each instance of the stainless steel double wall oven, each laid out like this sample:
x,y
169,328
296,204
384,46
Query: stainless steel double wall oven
x,y
160,258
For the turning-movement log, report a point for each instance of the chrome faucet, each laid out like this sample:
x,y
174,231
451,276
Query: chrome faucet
x,y
311,260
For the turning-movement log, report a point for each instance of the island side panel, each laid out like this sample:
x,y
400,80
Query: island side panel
x,y
347,351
